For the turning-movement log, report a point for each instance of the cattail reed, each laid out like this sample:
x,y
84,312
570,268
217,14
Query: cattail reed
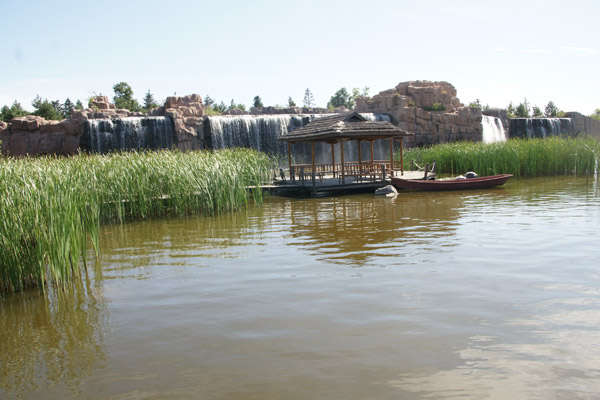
x,y
520,157
51,208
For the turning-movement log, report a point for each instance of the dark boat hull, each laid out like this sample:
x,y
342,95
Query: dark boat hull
x,y
454,184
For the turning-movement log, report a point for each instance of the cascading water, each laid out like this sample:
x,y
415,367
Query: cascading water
x,y
493,131
261,133
255,132
540,127
133,133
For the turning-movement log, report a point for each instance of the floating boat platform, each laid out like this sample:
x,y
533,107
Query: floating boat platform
x,y
330,186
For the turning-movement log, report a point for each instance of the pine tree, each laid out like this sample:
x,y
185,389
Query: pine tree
x,y
67,108
149,102
8,113
309,100
258,102
551,110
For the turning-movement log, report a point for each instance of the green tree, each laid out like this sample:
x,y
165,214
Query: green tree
x,y
596,114
219,108
356,93
257,102
14,111
79,105
339,99
46,109
149,102
124,97
522,110
537,112
67,108
291,103
475,104
510,110
309,100
208,101
551,111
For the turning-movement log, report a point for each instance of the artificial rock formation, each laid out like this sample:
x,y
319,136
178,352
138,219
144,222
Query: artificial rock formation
x,y
33,135
430,110
187,113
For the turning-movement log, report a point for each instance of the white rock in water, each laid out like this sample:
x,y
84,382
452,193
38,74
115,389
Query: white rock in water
x,y
388,191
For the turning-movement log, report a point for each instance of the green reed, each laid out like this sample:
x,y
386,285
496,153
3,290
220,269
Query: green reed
x,y
520,157
51,207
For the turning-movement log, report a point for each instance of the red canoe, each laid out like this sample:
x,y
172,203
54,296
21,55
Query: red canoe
x,y
453,184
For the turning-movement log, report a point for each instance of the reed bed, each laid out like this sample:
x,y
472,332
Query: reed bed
x,y
520,157
51,207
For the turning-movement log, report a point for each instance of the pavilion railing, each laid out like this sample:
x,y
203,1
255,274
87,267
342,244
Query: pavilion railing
x,y
353,170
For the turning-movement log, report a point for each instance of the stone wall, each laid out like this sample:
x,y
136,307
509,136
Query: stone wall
x,y
33,135
408,104
584,125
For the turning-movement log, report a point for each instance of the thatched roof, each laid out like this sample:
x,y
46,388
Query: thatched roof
x,y
349,125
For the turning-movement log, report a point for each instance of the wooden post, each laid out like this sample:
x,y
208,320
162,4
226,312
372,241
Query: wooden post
x,y
312,148
333,158
372,167
289,146
392,156
342,161
359,161
401,157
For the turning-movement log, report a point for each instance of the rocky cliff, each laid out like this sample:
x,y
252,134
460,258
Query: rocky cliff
x,y
430,110
34,135
584,125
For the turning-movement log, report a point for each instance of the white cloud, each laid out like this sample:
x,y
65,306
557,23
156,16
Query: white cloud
x,y
582,51
534,51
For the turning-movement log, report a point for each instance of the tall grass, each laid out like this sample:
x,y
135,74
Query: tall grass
x,y
50,207
520,157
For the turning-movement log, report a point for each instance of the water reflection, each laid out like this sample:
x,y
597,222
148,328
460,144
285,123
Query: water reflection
x,y
553,353
360,230
479,294
53,340
142,245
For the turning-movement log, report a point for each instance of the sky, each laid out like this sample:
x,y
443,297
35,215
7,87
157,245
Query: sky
x,y
496,52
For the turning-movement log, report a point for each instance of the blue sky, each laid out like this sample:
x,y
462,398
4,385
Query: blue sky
x,y
493,51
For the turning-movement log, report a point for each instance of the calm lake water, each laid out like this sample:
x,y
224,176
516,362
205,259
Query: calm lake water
x,y
489,294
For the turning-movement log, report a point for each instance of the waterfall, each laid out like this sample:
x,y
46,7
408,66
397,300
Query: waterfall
x,y
493,131
540,127
260,132
255,132
133,133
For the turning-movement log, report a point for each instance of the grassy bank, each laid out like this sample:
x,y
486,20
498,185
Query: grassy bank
x,y
529,157
50,207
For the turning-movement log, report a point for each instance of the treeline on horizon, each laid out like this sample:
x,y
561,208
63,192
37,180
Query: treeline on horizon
x,y
123,98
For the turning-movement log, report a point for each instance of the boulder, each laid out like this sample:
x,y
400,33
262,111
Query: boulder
x,y
387,191
410,105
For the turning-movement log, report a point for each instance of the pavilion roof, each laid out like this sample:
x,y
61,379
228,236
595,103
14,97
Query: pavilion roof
x,y
350,125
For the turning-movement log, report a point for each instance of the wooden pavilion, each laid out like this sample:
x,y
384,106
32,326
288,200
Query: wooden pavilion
x,y
338,129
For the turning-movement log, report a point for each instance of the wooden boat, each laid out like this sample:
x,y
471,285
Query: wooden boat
x,y
451,184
